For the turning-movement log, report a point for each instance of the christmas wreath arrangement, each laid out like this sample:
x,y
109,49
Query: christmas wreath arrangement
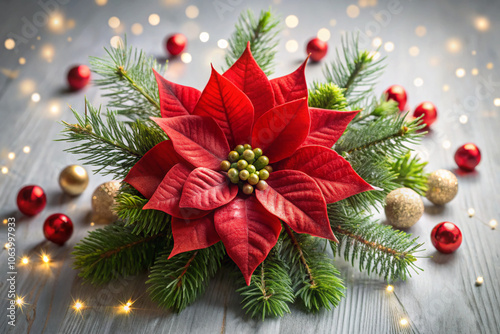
x,y
254,172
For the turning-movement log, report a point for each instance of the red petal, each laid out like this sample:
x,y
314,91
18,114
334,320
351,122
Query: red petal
x,y
248,232
327,126
229,107
148,172
197,139
290,87
248,76
296,199
193,234
281,130
333,174
168,194
175,100
206,189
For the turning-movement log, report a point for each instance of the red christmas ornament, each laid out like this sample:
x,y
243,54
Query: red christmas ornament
x,y
191,176
468,157
446,237
398,94
31,200
176,44
58,228
78,77
429,110
317,49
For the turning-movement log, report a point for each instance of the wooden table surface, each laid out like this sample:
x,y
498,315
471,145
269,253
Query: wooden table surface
x,y
441,299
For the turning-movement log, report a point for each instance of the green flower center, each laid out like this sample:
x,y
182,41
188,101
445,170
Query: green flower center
x,y
247,168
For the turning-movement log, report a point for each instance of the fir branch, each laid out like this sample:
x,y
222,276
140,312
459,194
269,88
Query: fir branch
x,y
327,96
127,76
270,289
354,70
149,222
262,34
374,109
385,135
410,173
177,282
316,280
113,147
113,251
378,248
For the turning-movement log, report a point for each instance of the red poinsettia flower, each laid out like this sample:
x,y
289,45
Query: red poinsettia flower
x,y
244,155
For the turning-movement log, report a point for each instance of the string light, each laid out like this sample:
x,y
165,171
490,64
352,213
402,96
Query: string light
x,y
22,60
389,46
5,221
136,29
479,280
403,322
192,12
45,258
186,58
292,21
474,71
5,170
11,156
460,72
420,31
9,44
493,224
204,37
324,34
222,43
78,306
35,97
390,288
7,245
114,22
471,212
25,260
292,46
352,11
20,302
26,149
154,19
489,66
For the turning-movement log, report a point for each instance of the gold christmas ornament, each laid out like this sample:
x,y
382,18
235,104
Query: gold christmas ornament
x,y
403,208
443,187
73,180
103,202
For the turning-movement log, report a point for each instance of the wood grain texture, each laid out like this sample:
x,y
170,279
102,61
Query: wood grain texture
x,y
441,299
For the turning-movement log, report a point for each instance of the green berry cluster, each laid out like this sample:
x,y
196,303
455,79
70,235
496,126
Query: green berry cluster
x,y
247,168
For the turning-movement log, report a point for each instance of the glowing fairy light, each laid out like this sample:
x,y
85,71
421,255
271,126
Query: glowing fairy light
x,y
25,260
114,22
204,37
471,212
11,156
493,224
292,46
7,245
352,11
26,149
389,288
22,61
389,46
460,72
377,42
479,280
9,44
45,258
324,34
292,21
222,43
136,29
403,322
420,31
154,19
192,12
35,97
482,23
4,170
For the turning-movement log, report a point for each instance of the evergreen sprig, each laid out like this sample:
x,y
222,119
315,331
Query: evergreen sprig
x,y
177,282
110,145
114,251
354,70
327,96
316,280
270,290
262,33
149,222
378,248
410,173
125,73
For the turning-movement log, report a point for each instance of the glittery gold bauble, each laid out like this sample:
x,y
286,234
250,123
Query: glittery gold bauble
x,y
73,180
103,201
443,187
403,208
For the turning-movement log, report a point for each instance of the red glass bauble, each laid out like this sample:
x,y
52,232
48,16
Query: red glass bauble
x,y
176,43
398,94
78,77
429,112
31,200
468,157
58,228
446,237
317,49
